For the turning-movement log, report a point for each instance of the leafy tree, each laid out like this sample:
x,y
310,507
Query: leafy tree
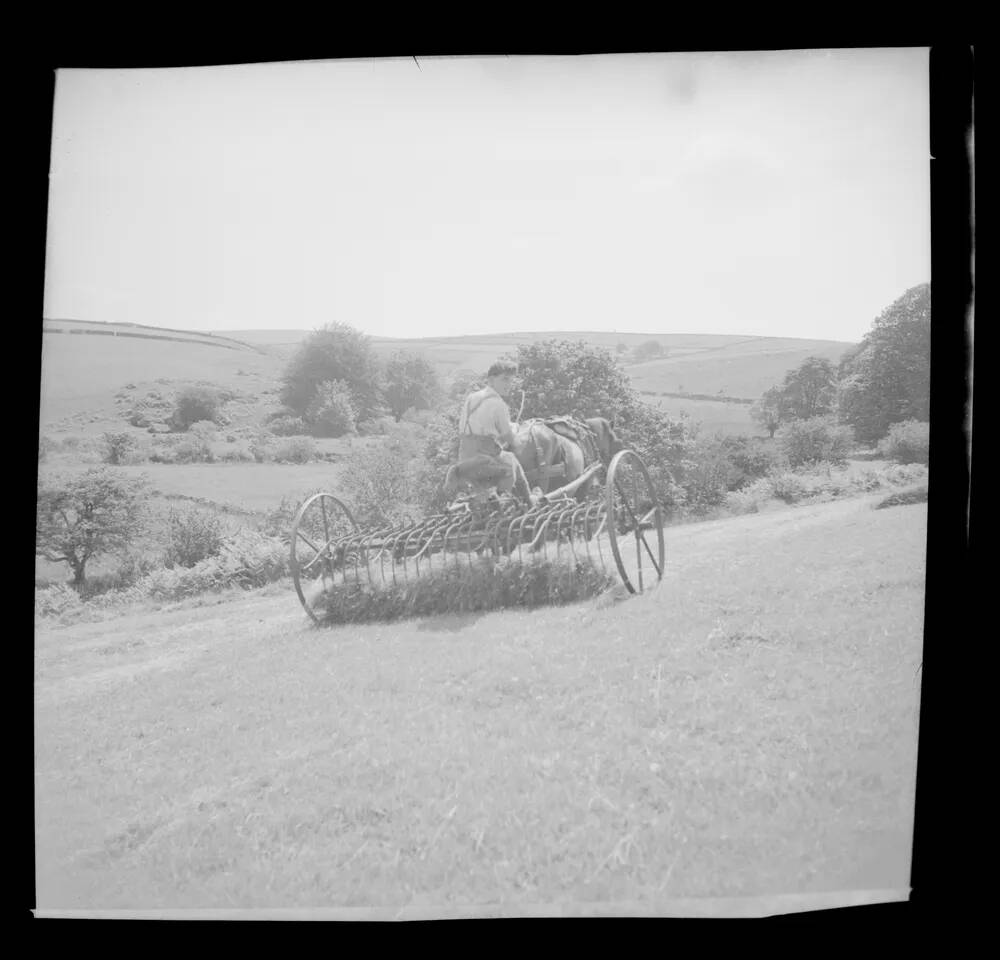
x,y
810,390
331,412
410,381
82,516
621,347
648,350
334,352
195,404
887,379
766,412
462,384
570,377
816,440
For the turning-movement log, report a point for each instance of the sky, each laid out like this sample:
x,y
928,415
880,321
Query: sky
x,y
777,193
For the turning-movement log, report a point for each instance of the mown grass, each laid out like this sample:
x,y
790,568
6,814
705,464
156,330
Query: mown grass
x,y
748,728
474,587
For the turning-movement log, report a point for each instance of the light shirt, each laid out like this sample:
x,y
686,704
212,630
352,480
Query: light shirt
x,y
484,414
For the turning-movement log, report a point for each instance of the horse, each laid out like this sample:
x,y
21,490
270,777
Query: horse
x,y
539,448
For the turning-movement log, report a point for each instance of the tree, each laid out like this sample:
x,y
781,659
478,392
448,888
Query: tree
x,y
195,404
570,377
808,391
334,352
79,517
648,350
463,382
410,381
331,411
766,412
887,379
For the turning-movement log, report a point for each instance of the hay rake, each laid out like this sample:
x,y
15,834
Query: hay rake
x,y
328,548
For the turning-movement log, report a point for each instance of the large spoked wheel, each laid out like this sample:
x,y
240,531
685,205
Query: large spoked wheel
x,y
635,522
321,522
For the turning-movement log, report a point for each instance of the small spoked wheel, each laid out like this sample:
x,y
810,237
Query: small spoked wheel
x,y
634,517
322,521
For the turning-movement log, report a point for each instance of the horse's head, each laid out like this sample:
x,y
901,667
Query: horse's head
x,y
608,442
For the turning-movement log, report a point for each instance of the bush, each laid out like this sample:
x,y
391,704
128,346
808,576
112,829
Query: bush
x,y
295,450
907,442
749,497
123,448
790,487
917,494
284,426
237,455
707,475
277,522
192,535
332,412
247,559
57,602
755,459
815,440
196,404
378,483
197,447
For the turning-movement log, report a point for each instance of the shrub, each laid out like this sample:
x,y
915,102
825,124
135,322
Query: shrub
x,y
295,450
332,412
197,447
237,455
755,458
284,426
277,522
122,448
907,442
378,483
247,559
789,487
707,475
192,535
57,602
195,404
899,475
815,440
749,498
917,494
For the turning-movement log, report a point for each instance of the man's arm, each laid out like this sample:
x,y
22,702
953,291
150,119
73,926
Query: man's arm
x,y
505,433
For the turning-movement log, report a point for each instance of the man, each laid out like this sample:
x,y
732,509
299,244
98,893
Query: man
x,y
484,430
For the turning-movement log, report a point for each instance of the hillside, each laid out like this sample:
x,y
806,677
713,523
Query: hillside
x,y
747,730
81,373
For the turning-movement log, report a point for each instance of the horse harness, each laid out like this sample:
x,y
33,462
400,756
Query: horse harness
x,y
568,428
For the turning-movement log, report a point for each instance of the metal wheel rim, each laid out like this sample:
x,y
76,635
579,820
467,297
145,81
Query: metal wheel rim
x,y
657,513
297,534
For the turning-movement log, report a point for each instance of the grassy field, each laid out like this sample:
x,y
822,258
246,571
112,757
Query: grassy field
x,y
715,416
746,730
743,370
81,375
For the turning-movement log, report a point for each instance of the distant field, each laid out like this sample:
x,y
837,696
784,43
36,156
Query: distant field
x,y
714,416
83,373
744,369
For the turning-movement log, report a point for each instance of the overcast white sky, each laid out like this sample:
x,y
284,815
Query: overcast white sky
x,y
773,194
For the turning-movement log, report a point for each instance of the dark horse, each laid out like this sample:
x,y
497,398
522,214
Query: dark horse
x,y
551,460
